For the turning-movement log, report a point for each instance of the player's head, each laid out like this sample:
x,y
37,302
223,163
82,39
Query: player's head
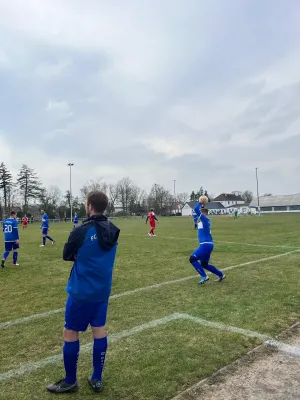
x,y
151,209
42,212
13,214
96,203
204,211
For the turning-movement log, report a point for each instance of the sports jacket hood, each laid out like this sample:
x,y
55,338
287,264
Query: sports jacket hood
x,y
107,233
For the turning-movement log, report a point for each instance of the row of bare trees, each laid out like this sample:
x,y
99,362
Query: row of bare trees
x,y
27,195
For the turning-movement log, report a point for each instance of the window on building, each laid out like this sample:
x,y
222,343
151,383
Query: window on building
x,y
295,208
280,208
266,209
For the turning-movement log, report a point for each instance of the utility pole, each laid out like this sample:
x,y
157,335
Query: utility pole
x,y
71,202
257,192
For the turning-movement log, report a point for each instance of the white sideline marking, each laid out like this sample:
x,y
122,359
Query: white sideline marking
x,y
284,348
33,317
34,366
216,241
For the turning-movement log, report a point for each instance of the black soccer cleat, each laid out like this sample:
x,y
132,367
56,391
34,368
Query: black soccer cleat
x,y
97,386
62,387
2,264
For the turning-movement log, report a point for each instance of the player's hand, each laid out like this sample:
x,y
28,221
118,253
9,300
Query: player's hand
x,y
17,241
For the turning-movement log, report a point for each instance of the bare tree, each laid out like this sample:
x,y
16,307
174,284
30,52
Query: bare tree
x,y
181,199
247,196
92,185
113,193
125,187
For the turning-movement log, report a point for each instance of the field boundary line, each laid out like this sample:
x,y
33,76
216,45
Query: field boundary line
x,y
49,313
85,349
218,241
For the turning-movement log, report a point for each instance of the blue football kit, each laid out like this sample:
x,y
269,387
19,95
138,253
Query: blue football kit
x,y
92,246
201,256
195,218
45,224
11,238
76,219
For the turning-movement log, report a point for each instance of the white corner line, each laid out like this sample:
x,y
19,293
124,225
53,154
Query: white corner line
x,y
34,366
85,349
49,313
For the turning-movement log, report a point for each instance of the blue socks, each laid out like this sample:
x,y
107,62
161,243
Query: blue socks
x,y
211,268
214,270
5,255
49,238
15,257
44,240
71,353
99,352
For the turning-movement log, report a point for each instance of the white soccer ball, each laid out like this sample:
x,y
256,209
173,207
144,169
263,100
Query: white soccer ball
x,y
203,199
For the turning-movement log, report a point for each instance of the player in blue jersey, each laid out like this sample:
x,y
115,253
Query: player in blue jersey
x,y
11,239
76,220
45,229
92,248
201,256
195,217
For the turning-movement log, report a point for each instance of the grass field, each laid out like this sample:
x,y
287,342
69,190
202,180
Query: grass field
x,y
151,356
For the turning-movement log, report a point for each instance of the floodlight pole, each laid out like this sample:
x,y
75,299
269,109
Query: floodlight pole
x,y
71,205
257,192
175,196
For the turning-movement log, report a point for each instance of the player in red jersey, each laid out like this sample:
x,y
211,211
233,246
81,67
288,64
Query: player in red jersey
x,y
25,222
152,219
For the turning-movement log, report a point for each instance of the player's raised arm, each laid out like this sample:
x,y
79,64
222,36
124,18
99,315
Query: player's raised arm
x,y
197,209
74,242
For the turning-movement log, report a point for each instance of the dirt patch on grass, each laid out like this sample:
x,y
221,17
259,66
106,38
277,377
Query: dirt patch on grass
x,y
261,375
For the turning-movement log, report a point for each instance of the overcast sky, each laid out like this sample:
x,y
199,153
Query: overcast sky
x,y
193,90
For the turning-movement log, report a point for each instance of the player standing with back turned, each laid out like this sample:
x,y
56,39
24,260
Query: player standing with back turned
x,y
11,238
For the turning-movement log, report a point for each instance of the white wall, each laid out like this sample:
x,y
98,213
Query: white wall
x,y
186,211
231,203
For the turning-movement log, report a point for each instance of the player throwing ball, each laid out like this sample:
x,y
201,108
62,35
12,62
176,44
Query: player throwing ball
x,y
201,256
152,219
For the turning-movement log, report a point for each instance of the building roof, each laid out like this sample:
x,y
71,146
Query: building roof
x,y
273,201
212,205
228,197
239,205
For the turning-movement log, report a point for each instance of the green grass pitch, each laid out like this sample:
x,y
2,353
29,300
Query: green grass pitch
x,y
159,362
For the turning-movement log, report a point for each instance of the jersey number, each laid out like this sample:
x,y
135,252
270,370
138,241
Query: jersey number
x,y
8,229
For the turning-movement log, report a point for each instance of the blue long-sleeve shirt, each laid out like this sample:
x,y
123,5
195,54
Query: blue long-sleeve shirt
x,y
92,247
204,232
10,229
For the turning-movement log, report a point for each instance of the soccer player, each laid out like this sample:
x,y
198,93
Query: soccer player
x,y
92,247
45,229
76,220
11,238
152,219
25,222
195,217
201,256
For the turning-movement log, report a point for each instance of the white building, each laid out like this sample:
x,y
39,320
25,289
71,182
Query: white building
x,y
214,207
229,199
273,204
241,209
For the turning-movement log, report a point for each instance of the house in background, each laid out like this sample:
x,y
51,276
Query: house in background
x,y
214,207
229,199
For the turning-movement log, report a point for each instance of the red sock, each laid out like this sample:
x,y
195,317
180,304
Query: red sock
x,y
151,231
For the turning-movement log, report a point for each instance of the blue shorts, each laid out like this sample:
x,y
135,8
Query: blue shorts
x,y
195,219
203,252
44,231
9,246
79,315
